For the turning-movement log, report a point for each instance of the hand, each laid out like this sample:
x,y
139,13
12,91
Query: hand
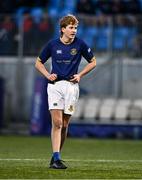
x,y
76,78
52,77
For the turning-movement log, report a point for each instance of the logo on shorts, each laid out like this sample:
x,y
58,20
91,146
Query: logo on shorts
x,y
73,51
71,108
55,104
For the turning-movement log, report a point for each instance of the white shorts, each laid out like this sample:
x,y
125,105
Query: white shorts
x,y
63,95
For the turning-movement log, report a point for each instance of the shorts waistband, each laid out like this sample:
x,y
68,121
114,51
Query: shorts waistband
x,y
53,82
60,79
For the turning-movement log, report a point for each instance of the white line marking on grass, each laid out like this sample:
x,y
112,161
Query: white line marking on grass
x,y
105,160
75,160
20,159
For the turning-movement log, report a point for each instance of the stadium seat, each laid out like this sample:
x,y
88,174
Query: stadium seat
x,y
136,111
135,114
138,103
37,14
66,11
131,37
120,38
90,35
107,110
122,111
79,110
102,39
56,31
91,109
70,5
80,31
54,7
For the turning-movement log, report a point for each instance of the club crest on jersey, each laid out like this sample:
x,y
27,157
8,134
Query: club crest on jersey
x,y
59,51
71,108
73,51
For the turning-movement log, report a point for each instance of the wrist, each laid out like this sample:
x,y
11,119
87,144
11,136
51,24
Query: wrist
x,y
48,75
80,75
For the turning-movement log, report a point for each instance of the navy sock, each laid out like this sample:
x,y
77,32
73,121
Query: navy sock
x,y
56,156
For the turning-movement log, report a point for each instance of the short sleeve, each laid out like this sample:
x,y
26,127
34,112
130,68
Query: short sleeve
x,y
45,53
87,52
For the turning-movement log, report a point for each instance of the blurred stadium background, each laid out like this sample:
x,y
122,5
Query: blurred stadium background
x,y
110,102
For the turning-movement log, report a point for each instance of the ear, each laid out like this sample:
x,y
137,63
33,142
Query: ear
x,y
63,29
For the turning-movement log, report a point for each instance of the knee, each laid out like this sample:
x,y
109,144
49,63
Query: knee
x,y
57,124
66,120
65,125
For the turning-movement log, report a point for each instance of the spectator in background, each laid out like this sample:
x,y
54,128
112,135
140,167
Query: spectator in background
x,y
31,3
110,7
8,33
103,7
132,7
117,7
137,43
85,7
29,34
7,6
44,30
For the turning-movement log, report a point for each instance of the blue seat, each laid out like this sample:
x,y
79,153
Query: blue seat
x,y
70,5
102,38
80,31
54,3
54,7
66,11
19,13
91,30
53,12
131,37
90,35
56,31
36,13
120,38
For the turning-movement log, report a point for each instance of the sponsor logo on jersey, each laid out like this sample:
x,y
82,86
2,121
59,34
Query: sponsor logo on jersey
x,y
73,51
59,51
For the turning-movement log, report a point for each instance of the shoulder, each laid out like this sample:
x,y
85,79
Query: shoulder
x,y
52,41
80,41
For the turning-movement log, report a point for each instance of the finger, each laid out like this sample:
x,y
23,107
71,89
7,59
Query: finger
x,y
54,74
74,79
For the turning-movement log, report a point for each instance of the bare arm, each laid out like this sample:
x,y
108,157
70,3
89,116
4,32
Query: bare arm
x,y
85,70
88,67
41,68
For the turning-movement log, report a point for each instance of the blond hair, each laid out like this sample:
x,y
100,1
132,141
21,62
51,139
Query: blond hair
x,y
67,20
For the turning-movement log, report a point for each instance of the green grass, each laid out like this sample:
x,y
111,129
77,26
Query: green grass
x,y
28,158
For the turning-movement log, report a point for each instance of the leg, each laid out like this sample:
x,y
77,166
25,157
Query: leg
x,y
71,97
57,121
64,130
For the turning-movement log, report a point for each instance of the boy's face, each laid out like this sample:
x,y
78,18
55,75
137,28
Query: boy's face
x,y
70,31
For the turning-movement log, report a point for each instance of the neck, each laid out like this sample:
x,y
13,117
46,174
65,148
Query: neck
x,y
66,40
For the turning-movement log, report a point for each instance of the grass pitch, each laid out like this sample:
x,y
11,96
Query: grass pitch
x,y
28,158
